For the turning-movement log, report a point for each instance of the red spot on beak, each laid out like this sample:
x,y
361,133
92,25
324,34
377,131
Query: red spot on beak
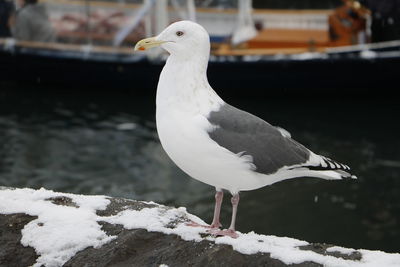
x,y
142,48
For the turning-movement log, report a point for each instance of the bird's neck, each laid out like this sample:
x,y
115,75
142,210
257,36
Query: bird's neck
x,y
185,70
183,82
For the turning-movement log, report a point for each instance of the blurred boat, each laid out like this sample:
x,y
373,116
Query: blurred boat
x,y
288,50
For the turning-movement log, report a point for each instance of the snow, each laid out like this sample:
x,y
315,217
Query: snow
x,y
346,251
60,232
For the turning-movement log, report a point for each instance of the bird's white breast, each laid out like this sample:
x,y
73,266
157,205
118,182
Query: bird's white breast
x,y
182,125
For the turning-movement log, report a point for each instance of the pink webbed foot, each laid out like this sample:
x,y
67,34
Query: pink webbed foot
x,y
211,226
226,232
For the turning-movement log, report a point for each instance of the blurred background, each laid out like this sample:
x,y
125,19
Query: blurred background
x,y
77,106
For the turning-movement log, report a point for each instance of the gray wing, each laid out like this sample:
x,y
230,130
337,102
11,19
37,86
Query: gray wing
x,y
239,131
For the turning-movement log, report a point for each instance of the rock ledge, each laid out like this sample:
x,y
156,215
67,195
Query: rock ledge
x,y
122,244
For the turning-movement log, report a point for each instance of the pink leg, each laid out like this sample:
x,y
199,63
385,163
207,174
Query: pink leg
x,y
231,230
235,202
219,195
217,211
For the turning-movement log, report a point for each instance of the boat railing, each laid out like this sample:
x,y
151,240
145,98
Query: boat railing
x,y
62,49
381,46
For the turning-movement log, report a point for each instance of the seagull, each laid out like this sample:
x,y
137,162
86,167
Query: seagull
x,y
214,142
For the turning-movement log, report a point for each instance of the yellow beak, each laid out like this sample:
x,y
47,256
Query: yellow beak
x,y
148,43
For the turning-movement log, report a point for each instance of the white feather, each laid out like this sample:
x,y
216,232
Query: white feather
x,y
184,100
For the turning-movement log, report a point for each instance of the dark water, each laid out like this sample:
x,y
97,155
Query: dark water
x,y
106,143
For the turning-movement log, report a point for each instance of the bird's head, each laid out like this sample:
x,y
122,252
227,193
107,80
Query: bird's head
x,y
181,39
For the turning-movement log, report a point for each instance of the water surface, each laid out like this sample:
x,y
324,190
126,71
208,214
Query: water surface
x,y
106,143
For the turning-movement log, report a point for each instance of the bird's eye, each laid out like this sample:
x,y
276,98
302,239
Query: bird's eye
x,y
179,33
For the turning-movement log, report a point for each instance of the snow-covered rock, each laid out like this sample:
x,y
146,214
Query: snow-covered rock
x,y
46,228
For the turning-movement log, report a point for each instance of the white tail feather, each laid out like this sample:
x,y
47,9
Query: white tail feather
x,y
331,174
